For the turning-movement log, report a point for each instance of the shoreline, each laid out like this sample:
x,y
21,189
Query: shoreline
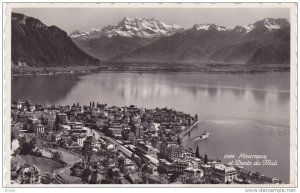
x,y
152,68
215,71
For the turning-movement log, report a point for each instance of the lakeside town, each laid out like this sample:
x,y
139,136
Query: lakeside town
x,y
101,144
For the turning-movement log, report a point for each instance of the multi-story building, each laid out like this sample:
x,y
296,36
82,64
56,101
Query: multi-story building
x,y
131,137
58,137
96,143
63,118
224,173
145,148
180,165
155,142
171,150
206,168
116,131
32,120
186,155
192,172
164,146
40,129
81,140
139,131
47,153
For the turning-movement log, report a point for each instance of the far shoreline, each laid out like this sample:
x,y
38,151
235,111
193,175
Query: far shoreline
x,y
151,68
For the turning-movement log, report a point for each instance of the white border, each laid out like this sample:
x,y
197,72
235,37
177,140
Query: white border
x,y
293,101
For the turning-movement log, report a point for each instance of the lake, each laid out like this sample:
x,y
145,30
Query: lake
x,y
246,113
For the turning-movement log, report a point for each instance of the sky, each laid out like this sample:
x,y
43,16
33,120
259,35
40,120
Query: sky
x,y
84,19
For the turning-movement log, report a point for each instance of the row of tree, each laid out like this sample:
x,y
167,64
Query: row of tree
x,y
197,155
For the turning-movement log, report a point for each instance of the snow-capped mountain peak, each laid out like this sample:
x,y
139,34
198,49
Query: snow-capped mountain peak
x,y
249,28
271,24
132,27
139,27
268,24
202,26
206,26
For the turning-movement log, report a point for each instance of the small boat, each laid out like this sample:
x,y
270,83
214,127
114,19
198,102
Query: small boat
x,y
203,136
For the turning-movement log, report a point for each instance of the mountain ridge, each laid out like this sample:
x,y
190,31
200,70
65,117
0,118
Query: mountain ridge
x,y
35,44
255,43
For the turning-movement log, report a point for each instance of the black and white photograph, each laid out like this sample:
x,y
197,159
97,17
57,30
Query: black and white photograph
x,y
131,95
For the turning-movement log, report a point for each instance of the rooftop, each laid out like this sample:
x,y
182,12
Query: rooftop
x,y
225,168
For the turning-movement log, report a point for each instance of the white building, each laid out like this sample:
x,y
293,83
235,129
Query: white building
x,y
81,140
225,173
40,129
193,172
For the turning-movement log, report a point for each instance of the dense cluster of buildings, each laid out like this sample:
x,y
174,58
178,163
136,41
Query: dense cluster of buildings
x,y
121,144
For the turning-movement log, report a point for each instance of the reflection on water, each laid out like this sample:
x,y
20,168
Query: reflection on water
x,y
244,113
42,89
259,97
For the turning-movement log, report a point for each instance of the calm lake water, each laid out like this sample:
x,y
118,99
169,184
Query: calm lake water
x,y
244,113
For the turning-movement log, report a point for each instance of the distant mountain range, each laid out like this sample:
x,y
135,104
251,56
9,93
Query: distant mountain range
x,y
149,40
35,44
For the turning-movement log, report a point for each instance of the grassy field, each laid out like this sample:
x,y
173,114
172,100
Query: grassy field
x,y
67,156
44,164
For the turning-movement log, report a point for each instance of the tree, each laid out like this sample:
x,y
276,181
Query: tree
x,y
63,143
174,176
205,159
56,156
104,129
56,123
27,104
45,180
109,133
94,179
196,116
25,126
32,127
44,121
132,156
138,162
110,173
128,178
93,103
26,148
13,136
87,149
197,152
85,175
121,161
145,168
178,141
105,162
90,104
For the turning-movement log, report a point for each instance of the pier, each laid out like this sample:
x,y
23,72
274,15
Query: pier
x,y
188,130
